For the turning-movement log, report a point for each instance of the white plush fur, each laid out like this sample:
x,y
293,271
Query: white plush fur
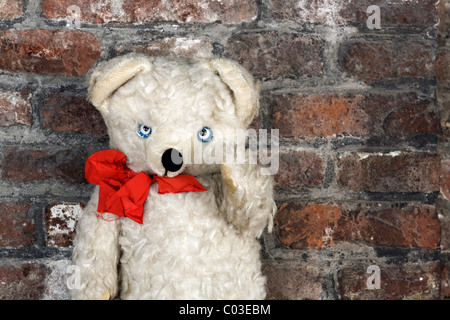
x,y
194,245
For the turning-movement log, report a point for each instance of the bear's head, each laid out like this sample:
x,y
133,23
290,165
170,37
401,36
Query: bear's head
x,y
173,115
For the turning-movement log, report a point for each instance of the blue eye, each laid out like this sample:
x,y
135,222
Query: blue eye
x,y
205,134
144,131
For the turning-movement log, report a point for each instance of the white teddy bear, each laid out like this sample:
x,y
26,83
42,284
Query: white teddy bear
x,y
169,220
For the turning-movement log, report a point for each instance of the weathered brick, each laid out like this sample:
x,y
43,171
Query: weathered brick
x,y
297,115
392,12
27,165
410,226
444,19
16,108
186,47
352,11
291,282
444,205
58,273
22,280
445,282
306,225
138,11
11,9
299,169
444,220
380,60
68,113
444,103
400,115
393,172
69,52
270,54
445,178
90,11
60,221
412,281
442,67
17,227
412,120
312,11
318,226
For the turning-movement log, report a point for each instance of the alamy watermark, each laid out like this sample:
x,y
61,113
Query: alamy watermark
x,y
227,146
374,19
374,280
73,17
73,281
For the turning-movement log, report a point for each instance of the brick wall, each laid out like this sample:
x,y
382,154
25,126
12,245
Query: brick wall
x,y
363,116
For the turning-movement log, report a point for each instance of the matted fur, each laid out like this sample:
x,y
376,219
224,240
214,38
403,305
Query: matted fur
x,y
194,245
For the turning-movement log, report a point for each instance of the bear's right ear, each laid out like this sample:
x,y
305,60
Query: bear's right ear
x,y
108,76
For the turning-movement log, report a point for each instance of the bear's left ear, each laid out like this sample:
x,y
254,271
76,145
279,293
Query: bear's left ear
x,y
108,76
244,88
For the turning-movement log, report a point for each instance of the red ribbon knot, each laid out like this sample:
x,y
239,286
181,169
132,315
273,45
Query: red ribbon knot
x,y
123,191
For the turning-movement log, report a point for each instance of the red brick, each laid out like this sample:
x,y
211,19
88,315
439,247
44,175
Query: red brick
x,y
16,226
445,282
413,226
445,178
392,12
395,172
269,54
138,11
291,282
22,281
444,205
27,165
227,11
299,169
300,226
314,115
318,226
380,60
60,221
444,19
442,67
57,274
11,9
352,11
68,52
412,120
400,280
312,11
68,113
401,115
443,101
444,220
185,47
16,108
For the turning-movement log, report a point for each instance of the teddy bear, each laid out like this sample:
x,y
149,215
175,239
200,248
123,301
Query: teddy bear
x,y
172,214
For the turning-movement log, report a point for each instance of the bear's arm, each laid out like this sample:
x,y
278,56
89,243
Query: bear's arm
x,y
95,255
247,201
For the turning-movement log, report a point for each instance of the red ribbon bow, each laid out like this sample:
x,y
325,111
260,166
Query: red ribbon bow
x,y
123,191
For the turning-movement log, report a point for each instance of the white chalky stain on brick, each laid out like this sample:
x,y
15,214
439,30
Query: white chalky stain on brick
x,y
17,102
109,10
327,10
328,237
65,212
364,155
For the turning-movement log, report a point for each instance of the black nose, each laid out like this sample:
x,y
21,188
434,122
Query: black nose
x,y
172,160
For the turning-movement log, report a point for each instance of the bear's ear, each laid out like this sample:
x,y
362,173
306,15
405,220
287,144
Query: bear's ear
x,y
108,76
242,85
